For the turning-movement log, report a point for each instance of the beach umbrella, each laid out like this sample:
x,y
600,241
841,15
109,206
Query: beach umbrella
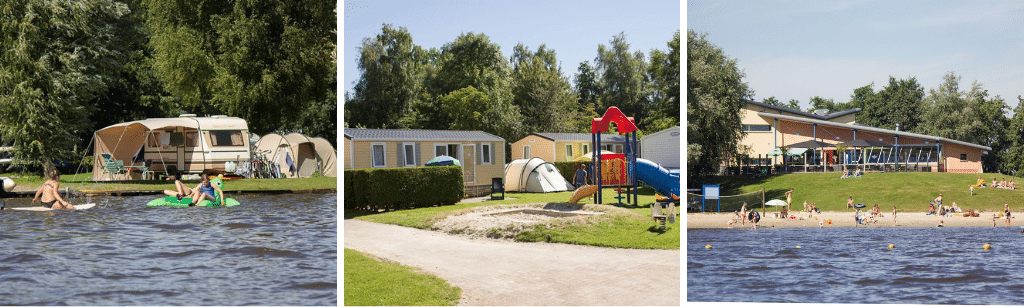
x,y
776,202
443,160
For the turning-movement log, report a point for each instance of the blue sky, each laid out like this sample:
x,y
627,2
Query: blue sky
x,y
573,29
799,49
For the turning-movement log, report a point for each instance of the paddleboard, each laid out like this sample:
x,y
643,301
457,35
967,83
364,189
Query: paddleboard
x,y
41,208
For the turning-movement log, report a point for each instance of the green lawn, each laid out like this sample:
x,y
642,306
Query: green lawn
x,y
909,192
369,282
81,182
613,230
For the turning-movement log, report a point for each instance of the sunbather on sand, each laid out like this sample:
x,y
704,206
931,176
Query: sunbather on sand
x,y
849,203
956,209
931,208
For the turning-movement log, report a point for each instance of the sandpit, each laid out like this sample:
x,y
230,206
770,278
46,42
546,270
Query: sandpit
x,y
505,221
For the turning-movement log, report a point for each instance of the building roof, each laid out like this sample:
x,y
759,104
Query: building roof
x,y
872,129
668,130
579,137
828,116
418,135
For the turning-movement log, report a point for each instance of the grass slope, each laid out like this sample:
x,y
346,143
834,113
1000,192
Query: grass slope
x,y
909,192
369,282
620,232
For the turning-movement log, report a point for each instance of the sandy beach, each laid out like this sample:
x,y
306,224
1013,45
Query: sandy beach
x,y
846,219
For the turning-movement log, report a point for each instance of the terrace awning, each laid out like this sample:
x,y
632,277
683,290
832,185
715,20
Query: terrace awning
x,y
811,144
865,143
791,152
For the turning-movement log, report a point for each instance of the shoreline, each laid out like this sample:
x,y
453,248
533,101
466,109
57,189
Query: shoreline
x,y
846,219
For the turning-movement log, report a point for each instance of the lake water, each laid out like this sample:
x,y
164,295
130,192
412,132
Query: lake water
x,y
270,250
854,265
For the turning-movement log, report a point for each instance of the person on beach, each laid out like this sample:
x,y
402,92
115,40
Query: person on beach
x,y
789,199
849,203
956,209
806,209
859,217
876,211
894,216
743,215
938,200
1002,183
1013,185
49,195
1006,212
931,208
995,183
857,173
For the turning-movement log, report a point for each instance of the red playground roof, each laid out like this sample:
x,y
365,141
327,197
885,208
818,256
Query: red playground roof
x,y
613,114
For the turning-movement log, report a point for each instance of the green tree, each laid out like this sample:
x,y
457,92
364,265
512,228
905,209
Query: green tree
x,y
772,102
540,91
1014,158
967,116
663,73
588,86
55,58
472,61
793,104
263,61
392,72
899,102
862,96
622,76
715,93
471,109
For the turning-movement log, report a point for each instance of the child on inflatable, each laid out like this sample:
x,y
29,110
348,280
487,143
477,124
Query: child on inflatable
x,y
205,190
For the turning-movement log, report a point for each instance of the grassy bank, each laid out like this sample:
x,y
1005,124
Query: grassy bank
x,y
80,182
909,192
370,282
624,232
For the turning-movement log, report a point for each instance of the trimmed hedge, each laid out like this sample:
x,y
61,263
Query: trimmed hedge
x,y
403,188
568,170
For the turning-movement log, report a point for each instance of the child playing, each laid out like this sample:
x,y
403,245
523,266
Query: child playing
x,y
205,190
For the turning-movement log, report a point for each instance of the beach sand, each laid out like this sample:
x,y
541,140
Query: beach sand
x,y
845,219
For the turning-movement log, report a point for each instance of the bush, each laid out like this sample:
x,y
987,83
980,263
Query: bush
x,y
403,188
568,169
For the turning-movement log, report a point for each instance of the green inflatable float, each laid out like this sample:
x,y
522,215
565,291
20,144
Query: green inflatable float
x,y
171,201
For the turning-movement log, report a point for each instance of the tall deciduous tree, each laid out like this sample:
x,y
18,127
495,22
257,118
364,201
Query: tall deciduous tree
x,y
899,102
663,73
714,96
1014,159
55,58
540,91
264,61
967,116
622,76
393,70
472,60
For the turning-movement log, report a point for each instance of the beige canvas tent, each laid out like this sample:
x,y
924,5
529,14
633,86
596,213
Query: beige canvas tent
x,y
305,154
186,144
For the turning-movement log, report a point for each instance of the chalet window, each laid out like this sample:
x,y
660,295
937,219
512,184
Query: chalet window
x,y
486,149
757,128
963,157
410,155
378,155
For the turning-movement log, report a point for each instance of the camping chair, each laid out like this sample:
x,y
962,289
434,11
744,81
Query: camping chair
x,y
497,185
145,169
112,167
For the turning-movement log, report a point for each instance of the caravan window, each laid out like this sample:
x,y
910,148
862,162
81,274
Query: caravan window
x,y
191,139
226,138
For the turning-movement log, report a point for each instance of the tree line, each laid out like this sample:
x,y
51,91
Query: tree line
x,y
467,84
715,93
68,68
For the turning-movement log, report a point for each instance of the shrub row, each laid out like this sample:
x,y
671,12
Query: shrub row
x,y
402,188
568,169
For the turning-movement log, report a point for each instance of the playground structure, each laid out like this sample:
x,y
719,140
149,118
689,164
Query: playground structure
x,y
625,170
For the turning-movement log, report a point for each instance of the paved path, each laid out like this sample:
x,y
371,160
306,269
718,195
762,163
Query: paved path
x,y
492,272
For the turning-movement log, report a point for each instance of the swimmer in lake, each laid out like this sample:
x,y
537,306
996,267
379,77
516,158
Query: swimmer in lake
x,y
48,192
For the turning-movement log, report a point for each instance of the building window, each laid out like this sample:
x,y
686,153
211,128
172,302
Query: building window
x,y
226,138
586,148
526,152
440,150
757,128
486,149
453,150
568,152
378,155
963,157
410,155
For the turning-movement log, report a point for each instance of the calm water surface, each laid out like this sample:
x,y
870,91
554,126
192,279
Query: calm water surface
x,y
271,250
854,265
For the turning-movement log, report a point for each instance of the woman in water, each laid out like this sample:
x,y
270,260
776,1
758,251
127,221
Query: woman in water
x,y
48,192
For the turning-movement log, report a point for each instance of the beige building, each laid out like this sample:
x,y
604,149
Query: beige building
x,y
769,127
482,154
556,147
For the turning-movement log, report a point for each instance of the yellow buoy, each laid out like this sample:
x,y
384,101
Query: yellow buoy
x,y
798,246
892,246
986,246
707,246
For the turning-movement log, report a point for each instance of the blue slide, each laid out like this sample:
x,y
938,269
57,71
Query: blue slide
x,y
658,177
